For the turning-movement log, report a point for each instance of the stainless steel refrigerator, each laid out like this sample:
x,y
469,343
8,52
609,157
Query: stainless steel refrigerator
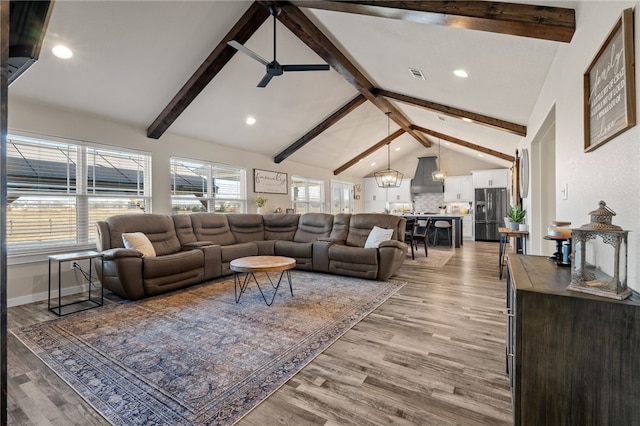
x,y
492,205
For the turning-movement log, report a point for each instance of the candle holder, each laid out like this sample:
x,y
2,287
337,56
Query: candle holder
x,y
599,263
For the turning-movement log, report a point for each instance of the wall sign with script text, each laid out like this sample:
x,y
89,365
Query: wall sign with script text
x,y
609,86
270,182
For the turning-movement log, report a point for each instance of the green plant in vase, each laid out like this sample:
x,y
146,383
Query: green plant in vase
x,y
261,201
517,215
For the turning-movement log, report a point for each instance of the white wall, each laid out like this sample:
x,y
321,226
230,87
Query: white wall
x,y
29,282
611,172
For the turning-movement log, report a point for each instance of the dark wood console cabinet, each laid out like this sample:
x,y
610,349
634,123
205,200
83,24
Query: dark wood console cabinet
x,y
572,358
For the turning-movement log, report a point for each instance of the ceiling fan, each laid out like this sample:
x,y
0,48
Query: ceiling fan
x,y
274,68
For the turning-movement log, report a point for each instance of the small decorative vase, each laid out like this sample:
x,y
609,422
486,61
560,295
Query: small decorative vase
x,y
259,210
514,226
522,227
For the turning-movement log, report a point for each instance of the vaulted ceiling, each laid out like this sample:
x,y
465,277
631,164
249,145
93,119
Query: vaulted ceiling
x,y
166,67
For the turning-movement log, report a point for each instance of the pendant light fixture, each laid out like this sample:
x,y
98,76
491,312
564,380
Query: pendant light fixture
x,y
388,178
439,175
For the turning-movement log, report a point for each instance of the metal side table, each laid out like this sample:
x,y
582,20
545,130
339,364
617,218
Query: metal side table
x,y
89,302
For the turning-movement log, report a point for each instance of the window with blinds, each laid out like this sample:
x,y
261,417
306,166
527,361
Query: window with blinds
x,y
198,186
56,191
307,195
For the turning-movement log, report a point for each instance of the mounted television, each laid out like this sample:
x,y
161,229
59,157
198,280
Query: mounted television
x,y
27,25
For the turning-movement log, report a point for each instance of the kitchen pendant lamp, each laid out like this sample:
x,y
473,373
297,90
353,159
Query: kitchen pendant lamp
x,y
388,178
439,175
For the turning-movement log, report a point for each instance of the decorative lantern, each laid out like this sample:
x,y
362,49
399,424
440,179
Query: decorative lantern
x,y
600,256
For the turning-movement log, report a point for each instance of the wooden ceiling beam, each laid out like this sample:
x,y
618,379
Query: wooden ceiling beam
x,y
464,143
369,151
324,125
298,23
541,22
252,19
496,123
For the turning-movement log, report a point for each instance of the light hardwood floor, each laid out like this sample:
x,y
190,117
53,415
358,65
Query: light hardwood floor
x,y
433,354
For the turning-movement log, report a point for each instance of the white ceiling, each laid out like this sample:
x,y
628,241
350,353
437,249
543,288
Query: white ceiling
x,y
131,58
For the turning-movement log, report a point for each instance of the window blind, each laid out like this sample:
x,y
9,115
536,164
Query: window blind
x,y
198,186
57,191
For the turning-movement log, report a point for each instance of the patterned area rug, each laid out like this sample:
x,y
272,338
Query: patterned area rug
x,y
436,258
195,356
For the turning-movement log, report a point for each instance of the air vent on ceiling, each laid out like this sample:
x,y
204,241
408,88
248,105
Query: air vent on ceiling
x,y
416,73
441,118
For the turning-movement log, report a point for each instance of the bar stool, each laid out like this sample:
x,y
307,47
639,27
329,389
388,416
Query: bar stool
x,y
441,224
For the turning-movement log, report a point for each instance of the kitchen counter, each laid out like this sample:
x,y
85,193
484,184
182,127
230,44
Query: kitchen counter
x,y
454,219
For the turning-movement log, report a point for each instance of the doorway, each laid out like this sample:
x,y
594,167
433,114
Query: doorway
x,y
543,189
341,197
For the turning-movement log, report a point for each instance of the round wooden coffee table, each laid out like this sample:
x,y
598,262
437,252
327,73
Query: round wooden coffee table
x,y
252,264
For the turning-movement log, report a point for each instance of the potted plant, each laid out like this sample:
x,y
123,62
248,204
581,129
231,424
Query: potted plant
x,y
517,215
260,202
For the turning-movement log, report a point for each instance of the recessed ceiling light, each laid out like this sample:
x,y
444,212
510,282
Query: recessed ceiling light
x,y
251,121
447,143
62,52
461,73
398,149
468,120
480,155
373,164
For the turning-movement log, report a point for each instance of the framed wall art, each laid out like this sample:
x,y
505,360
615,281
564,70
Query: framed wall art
x,y
609,86
270,182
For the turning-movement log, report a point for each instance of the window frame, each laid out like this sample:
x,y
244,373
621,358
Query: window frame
x,y
211,197
83,193
306,202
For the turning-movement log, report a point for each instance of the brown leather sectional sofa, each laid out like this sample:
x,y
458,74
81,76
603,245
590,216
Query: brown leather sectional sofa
x,y
198,247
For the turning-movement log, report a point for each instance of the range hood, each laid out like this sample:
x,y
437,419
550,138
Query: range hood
x,y
422,181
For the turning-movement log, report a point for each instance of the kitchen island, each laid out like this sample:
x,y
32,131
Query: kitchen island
x,y
454,219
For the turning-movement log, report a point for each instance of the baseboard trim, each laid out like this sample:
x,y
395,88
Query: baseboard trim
x,y
38,297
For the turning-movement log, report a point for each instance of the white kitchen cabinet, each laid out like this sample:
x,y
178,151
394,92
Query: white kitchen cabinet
x,y
372,192
402,194
375,206
458,189
467,227
494,178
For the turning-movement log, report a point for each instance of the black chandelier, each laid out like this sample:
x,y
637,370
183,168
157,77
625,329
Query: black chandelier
x,y
388,178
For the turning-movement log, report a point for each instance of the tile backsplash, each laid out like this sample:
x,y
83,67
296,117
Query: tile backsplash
x,y
428,202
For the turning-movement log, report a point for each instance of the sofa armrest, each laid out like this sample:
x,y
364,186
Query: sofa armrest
x,y
391,256
393,243
118,253
197,244
330,240
320,253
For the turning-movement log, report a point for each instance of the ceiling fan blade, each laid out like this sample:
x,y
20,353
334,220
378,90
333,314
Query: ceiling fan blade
x,y
308,67
241,48
265,80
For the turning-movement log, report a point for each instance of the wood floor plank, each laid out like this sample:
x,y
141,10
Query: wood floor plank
x,y
433,354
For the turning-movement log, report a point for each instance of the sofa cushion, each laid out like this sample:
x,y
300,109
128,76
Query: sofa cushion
x,y
355,255
158,228
340,229
184,228
246,227
376,236
360,225
138,241
280,226
236,251
312,226
295,250
212,227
